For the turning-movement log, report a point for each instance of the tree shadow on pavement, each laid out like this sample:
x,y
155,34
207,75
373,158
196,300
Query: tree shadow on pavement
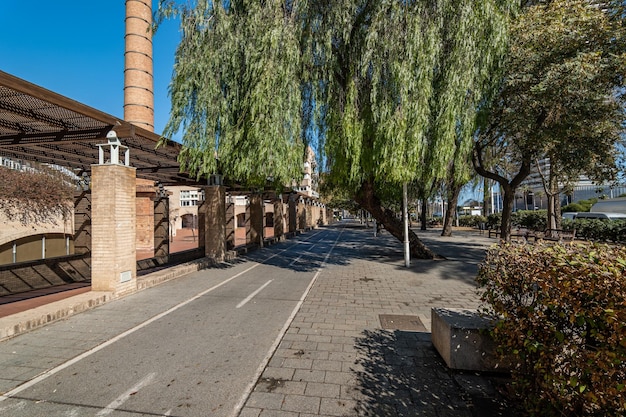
x,y
357,242
401,374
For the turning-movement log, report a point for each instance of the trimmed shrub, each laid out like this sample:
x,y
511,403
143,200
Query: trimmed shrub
x,y
562,317
599,230
494,220
471,221
530,219
573,208
579,206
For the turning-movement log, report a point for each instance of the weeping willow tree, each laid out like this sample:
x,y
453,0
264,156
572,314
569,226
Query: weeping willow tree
x,y
236,90
398,84
389,87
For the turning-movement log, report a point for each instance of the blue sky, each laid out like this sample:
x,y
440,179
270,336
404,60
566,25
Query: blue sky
x,y
76,48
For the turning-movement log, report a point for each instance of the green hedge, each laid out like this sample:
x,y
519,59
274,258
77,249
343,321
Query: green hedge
x,y
598,230
562,311
530,219
471,221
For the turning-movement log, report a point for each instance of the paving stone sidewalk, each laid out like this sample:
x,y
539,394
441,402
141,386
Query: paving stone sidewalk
x,y
339,357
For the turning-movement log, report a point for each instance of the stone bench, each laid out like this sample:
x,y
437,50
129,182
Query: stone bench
x,y
461,337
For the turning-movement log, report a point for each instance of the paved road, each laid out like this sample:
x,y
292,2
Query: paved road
x,y
191,347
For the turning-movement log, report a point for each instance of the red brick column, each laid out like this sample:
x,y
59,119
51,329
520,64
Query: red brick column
x,y
113,223
215,222
302,215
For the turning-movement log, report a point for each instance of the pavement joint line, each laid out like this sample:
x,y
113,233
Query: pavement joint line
x,y
45,375
246,395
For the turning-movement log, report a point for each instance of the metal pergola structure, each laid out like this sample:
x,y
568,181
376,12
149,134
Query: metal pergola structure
x,y
39,125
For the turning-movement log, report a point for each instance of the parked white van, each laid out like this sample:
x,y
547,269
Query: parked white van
x,y
601,216
610,205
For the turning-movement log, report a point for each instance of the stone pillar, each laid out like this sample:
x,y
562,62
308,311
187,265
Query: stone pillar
x,y
307,214
302,222
113,254
279,225
257,219
161,226
230,222
293,213
215,222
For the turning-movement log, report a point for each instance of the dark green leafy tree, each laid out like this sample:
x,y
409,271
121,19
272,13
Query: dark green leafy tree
x,y
562,98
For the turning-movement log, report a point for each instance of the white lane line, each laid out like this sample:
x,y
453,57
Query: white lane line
x,y
295,260
49,373
251,296
45,375
283,331
115,404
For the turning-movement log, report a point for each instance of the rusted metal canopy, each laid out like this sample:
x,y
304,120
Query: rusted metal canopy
x,y
42,126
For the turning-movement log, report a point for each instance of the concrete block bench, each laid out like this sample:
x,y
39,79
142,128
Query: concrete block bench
x,y
461,338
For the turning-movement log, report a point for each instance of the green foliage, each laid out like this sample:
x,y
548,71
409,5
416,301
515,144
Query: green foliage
x,y
530,219
471,221
580,206
494,220
573,208
399,82
237,91
600,230
561,96
562,311
22,197
562,91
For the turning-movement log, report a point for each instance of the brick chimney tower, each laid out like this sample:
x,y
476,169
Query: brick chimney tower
x,y
138,78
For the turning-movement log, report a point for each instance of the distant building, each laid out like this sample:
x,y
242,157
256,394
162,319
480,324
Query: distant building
x,y
310,178
183,202
531,193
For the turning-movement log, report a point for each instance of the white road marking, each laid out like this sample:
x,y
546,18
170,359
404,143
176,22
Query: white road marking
x,y
45,375
279,338
251,296
115,404
295,260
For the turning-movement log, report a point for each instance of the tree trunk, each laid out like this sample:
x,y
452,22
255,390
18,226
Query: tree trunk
x,y
508,198
486,195
453,198
554,205
424,213
367,199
